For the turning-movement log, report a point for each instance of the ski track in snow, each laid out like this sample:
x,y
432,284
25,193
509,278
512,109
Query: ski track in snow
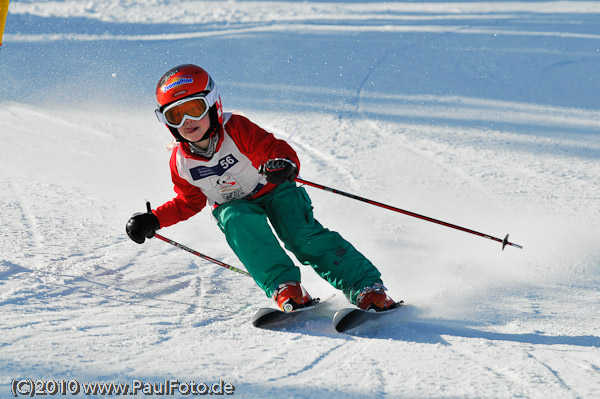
x,y
482,113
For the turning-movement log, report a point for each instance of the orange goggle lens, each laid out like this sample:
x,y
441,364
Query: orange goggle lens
x,y
195,108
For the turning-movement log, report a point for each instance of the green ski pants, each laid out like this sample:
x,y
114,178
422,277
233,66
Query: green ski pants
x,y
289,210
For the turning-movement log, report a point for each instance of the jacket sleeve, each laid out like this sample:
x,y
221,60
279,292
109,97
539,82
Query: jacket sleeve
x,y
188,202
258,144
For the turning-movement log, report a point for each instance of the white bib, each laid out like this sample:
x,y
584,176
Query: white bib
x,y
227,176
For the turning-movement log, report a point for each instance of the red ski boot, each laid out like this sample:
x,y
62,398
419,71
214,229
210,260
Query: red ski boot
x,y
374,299
291,296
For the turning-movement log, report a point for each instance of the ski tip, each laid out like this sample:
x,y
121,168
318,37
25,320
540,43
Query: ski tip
x,y
265,316
342,319
348,318
270,316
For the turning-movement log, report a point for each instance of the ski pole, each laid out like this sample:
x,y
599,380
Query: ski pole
x,y
504,241
208,258
190,250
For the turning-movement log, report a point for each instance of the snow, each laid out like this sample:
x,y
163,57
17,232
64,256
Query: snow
x,y
483,114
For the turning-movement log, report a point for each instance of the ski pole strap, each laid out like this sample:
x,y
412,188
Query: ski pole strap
x,y
208,258
504,241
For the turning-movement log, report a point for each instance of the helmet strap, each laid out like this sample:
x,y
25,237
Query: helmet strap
x,y
214,122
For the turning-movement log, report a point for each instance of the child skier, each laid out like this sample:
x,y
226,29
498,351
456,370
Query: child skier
x,y
247,176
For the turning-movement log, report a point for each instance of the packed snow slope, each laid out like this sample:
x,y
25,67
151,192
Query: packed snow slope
x,y
483,114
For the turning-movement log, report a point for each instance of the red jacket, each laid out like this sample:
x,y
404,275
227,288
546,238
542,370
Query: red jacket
x,y
230,174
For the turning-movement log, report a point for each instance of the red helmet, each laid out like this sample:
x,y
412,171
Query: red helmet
x,y
190,80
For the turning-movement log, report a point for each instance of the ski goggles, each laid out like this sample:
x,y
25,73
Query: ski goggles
x,y
193,107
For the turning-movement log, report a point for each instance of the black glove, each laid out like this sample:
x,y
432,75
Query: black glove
x,y
142,226
279,170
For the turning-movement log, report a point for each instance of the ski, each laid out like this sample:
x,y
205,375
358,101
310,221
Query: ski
x,y
345,319
266,317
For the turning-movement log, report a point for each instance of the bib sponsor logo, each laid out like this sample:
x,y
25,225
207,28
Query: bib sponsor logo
x,y
228,187
202,172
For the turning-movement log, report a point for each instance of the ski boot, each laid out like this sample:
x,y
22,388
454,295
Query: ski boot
x,y
291,296
374,299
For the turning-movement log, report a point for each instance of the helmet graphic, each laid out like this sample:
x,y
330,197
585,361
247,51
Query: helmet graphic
x,y
184,81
